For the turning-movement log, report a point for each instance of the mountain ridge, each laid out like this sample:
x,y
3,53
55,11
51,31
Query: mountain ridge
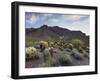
x,y
46,32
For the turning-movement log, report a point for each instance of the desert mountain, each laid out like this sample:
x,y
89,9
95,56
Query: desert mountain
x,y
54,32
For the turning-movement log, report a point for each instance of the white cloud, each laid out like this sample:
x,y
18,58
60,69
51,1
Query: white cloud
x,y
83,26
73,17
33,17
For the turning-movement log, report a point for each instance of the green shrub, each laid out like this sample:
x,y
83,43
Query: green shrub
x,y
77,55
51,44
65,60
70,46
85,54
87,49
77,43
60,43
30,43
80,49
48,63
45,64
54,62
48,58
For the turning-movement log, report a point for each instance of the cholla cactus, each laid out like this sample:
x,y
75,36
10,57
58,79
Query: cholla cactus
x,y
51,50
70,46
48,60
51,44
47,55
43,45
31,52
61,43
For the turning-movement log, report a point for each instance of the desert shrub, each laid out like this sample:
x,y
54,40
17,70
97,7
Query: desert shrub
x,y
65,60
68,50
77,55
60,43
65,45
77,43
80,49
45,64
54,62
85,54
84,46
37,46
56,45
61,37
30,43
70,46
87,49
61,48
48,58
48,63
31,53
51,44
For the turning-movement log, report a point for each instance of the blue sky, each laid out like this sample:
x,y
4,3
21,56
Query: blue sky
x,y
69,21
